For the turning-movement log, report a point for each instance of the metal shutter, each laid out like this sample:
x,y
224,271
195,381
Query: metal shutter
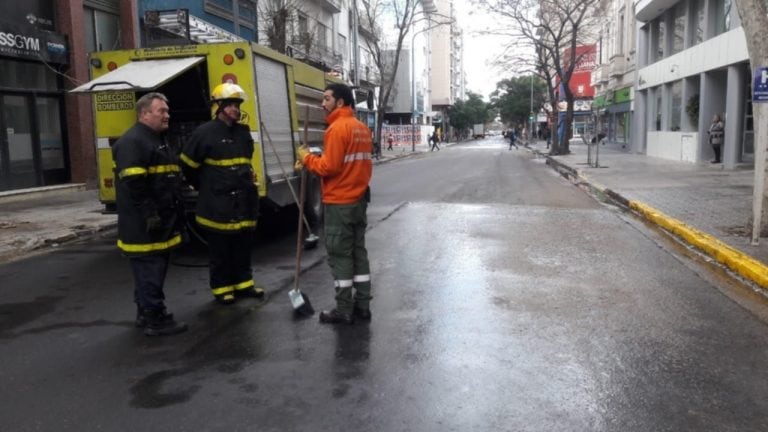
x,y
275,114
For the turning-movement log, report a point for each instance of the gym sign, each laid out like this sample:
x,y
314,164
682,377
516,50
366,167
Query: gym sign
x,y
27,42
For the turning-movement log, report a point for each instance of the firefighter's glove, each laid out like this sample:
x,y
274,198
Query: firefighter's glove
x,y
298,166
302,152
154,222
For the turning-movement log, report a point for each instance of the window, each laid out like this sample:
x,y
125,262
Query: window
x,y
303,24
727,7
620,33
222,4
678,34
102,30
698,13
27,75
341,49
657,44
657,96
676,105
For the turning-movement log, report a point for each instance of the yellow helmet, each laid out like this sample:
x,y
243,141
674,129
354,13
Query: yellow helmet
x,y
228,90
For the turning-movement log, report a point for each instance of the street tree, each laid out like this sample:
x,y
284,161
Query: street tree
x,y
543,37
387,44
754,20
471,111
517,98
275,17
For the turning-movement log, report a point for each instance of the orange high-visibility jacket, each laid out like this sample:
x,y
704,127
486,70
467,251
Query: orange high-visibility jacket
x,y
345,166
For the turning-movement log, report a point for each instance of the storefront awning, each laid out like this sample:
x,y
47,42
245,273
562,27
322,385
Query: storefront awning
x,y
139,75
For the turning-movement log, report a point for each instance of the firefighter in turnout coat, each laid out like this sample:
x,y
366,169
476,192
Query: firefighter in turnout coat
x,y
149,210
217,162
345,168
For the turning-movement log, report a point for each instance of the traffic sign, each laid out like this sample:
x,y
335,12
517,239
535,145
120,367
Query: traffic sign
x,y
760,85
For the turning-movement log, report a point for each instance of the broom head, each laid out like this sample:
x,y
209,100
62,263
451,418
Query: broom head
x,y
300,303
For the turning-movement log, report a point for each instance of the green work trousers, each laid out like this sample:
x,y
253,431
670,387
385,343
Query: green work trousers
x,y
345,226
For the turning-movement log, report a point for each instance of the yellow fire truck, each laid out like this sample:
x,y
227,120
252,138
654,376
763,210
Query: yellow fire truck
x,y
285,93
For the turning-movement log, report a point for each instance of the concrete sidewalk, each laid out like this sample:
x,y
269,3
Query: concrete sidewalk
x,y
703,205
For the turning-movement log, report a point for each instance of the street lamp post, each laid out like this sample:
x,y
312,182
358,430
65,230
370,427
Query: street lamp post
x,y
413,84
530,120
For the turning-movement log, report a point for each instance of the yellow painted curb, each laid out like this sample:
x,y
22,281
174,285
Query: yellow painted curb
x,y
735,260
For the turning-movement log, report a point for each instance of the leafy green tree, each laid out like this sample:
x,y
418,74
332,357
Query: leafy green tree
x,y
466,113
512,98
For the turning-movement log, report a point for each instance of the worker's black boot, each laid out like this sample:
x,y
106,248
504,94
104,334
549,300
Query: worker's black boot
x,y
362,313
333,316
161,323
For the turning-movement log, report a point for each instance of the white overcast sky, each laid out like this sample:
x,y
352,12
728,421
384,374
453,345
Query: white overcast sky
x,y
479,50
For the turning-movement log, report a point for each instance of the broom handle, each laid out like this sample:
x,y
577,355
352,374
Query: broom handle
x,y
285,174
302,196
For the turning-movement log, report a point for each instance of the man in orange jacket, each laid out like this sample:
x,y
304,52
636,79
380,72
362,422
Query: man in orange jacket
x,y
345,168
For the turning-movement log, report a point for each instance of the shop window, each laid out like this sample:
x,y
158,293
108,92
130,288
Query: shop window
x,y
27,75
49,127
102,30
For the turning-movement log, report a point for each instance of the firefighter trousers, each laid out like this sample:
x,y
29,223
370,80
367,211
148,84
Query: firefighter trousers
x,y
230,262
149,277
345,226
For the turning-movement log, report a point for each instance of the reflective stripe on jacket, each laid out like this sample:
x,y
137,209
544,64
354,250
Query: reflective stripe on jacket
x,y
345,165
148,187
217,162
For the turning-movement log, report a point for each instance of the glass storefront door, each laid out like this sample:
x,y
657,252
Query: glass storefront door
x,y
17,130
31,145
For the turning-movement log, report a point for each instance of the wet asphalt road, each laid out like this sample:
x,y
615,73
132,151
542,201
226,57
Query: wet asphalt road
x,y
505,299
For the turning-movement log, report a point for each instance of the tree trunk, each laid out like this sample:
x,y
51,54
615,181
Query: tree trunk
x,y
754,20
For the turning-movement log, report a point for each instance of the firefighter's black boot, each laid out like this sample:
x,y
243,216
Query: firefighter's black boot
x,y
141,319
161,323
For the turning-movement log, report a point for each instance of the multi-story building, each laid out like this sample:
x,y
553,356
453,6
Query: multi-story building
x,y
46,134
614,75
446,69
692,63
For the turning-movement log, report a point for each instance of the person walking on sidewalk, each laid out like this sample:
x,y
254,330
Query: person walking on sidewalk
x,y
217,162
390,141
345,169
149,210
716,132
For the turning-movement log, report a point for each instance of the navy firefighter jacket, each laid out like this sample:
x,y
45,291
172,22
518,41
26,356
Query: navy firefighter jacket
x,y
217,162
148,187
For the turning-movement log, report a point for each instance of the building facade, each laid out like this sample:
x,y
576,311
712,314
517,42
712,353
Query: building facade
x,y
614,75
46,134
446,74
692,63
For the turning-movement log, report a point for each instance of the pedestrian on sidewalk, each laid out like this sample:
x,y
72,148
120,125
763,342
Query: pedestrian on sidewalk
x,y
217,162
390,140
434,139
149,210
345,168
716,132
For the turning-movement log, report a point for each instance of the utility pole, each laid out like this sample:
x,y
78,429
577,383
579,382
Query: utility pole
x,y
530,120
